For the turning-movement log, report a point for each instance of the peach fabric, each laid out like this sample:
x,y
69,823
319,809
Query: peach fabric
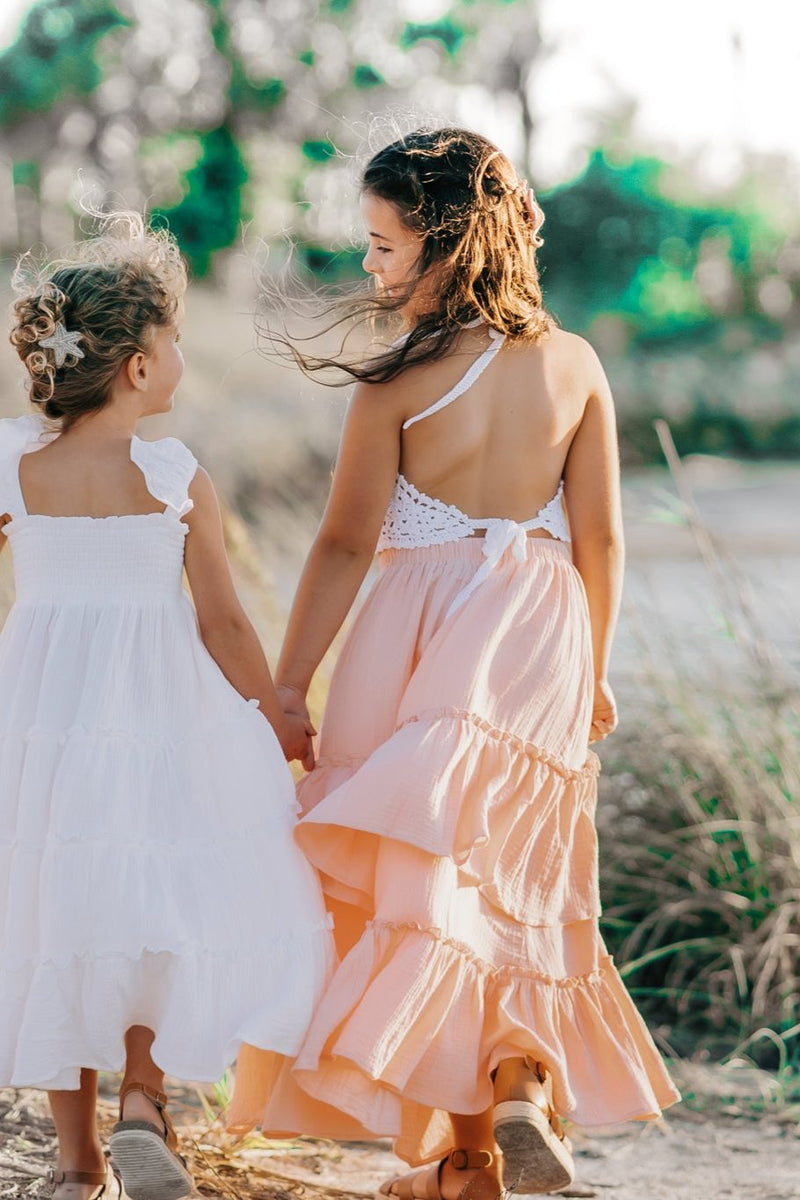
x,y
451,815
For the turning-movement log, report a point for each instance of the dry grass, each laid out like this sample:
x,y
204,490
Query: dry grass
x,y
700,833
250,1168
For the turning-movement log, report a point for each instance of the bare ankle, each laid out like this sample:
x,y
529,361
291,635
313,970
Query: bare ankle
x,y
81,1155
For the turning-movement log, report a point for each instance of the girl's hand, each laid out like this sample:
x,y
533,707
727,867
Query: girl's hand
x,y
295,740
604,711
293,701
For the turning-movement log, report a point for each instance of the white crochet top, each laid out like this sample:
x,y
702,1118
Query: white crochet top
x,y
414,519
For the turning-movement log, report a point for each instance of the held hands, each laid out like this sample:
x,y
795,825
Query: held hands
x,y
604,711
300,728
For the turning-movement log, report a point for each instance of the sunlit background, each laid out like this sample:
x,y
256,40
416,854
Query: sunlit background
x,y
663,142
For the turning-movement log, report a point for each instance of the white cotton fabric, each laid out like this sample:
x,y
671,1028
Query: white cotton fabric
x,y
148,871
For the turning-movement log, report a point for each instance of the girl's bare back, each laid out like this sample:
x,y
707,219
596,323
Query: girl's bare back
x,y
82,474
501,447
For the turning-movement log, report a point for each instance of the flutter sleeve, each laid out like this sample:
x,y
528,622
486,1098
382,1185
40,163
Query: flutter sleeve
x,y
18,436
168,468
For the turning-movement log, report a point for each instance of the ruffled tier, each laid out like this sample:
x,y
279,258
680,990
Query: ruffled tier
x,y
107,783
202,1005
112,844
136,672
153,880
413,1023
518,823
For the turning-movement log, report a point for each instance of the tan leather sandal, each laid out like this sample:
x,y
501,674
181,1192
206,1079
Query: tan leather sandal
x,y
537,1153
147,1157
482,1186
98,1178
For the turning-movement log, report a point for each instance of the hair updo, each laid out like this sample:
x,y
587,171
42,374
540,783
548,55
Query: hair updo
x,y
113,290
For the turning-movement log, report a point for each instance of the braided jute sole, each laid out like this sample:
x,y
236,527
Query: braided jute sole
x,y
149,1169
535,1159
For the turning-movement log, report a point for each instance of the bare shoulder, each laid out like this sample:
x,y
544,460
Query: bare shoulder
x,y
380,403
574,362
201,488
203,496
573,349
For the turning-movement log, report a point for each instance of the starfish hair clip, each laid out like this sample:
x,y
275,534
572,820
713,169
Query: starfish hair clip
x,y
62,343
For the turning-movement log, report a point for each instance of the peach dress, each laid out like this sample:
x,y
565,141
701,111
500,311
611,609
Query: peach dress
x,y
451,815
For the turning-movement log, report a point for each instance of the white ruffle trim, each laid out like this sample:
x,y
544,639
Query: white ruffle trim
x,y
201,1004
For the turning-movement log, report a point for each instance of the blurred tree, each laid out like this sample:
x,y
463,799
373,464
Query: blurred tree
x,y
615,243
275,77
208,216
53,56
50,65
215,111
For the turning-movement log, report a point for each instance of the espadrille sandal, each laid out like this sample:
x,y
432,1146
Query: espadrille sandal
x,y
98,1178
482,1186
147,1157
537,1154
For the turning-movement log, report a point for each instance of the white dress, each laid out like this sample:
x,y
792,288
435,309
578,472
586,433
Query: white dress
x,y
148,870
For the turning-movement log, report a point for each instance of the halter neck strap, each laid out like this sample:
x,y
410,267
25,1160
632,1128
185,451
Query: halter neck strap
x,y
466,381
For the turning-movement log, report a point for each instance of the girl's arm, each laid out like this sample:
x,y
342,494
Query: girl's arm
x,y
366,469
224,626
592,488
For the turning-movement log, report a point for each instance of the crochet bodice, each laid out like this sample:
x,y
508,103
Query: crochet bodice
x,y
414,519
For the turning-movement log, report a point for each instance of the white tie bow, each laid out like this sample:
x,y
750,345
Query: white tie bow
x,y
500,536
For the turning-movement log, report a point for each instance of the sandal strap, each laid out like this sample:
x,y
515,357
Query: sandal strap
x,y
157,1098
545,1078
160,1100
402,1187
96,1177
470,1160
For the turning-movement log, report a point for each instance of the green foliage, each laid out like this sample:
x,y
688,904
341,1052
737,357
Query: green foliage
x,y
244,92
329,266
53,56
208,216
707,430
365,76
615,243
307,57
25,173
318,150
340,6
259,95
446,30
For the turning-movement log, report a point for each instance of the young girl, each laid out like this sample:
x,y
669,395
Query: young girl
x,y
154,910
451,808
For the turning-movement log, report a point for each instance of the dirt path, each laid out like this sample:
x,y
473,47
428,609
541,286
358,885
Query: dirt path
x,y
736,1137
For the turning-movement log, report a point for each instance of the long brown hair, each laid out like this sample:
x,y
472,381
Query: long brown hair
x,y
471,210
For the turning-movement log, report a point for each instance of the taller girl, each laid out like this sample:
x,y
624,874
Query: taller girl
x,y
451,808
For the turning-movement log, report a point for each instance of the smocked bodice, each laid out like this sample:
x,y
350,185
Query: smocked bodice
x,y
106,561
135,559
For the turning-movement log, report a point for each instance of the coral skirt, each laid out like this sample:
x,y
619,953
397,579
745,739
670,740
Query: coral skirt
x,y
451,815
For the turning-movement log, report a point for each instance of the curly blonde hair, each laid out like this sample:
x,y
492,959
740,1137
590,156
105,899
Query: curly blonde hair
x,y
113,289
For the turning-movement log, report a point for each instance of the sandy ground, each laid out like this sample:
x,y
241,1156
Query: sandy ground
x,y
735,1136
